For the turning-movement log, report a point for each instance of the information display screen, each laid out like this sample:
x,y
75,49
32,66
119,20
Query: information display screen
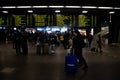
x,y
41,20
48,20
5,20
21,20
2,21
63,20
86,20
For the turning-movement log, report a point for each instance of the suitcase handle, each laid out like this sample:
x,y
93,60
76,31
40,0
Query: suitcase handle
x,y
71,52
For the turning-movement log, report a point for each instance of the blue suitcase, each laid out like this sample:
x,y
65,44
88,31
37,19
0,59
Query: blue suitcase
x,y
71,63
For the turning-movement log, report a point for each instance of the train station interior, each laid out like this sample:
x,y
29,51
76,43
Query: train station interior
x,y
33,17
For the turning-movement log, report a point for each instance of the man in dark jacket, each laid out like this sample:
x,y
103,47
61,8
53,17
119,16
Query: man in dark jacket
x,y
53,42
78,44
18,42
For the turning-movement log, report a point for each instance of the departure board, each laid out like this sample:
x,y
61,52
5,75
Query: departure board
x,y
86,20
83,20
48,20
5,21
21,20
2,21
63,20
41,20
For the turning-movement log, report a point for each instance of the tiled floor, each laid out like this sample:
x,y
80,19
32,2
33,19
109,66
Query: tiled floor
x,y
105,66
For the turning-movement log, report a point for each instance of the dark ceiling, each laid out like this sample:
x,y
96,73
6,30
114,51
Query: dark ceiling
x,y
61,2
106,3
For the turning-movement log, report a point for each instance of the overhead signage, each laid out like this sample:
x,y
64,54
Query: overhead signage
x,y
63,20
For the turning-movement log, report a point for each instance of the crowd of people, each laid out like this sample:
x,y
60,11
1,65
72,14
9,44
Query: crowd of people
x,y
72,40
41,39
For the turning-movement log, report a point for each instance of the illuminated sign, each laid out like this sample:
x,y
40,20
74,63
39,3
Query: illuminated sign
x,y
1,21
63,20
23,20
48,20
20,20
5,21
41,20
85,20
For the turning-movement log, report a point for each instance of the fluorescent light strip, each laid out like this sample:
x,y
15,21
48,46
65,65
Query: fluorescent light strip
x,y
117,8
91,7
8,7
56,6
105,7
40,6
72,6
24,6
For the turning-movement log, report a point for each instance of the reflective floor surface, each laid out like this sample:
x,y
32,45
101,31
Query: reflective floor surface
x,y
101,66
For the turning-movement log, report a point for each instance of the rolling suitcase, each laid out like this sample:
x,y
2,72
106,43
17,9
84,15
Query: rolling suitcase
x,y
71,63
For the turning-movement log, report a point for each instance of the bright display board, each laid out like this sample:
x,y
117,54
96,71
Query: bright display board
x,y
86,20
63,20
5,20
42,20
22,20
39,20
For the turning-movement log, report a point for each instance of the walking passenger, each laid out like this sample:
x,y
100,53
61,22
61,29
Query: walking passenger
x,y
18,43
78,44
24,43
99,44
40,43
53,42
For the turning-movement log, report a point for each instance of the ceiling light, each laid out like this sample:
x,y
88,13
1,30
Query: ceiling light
x,y
72,6
5,11
30,11
40,6
8,7
57,11
91,7
56,6
112,12
24,7
84,11
116,8
105,7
